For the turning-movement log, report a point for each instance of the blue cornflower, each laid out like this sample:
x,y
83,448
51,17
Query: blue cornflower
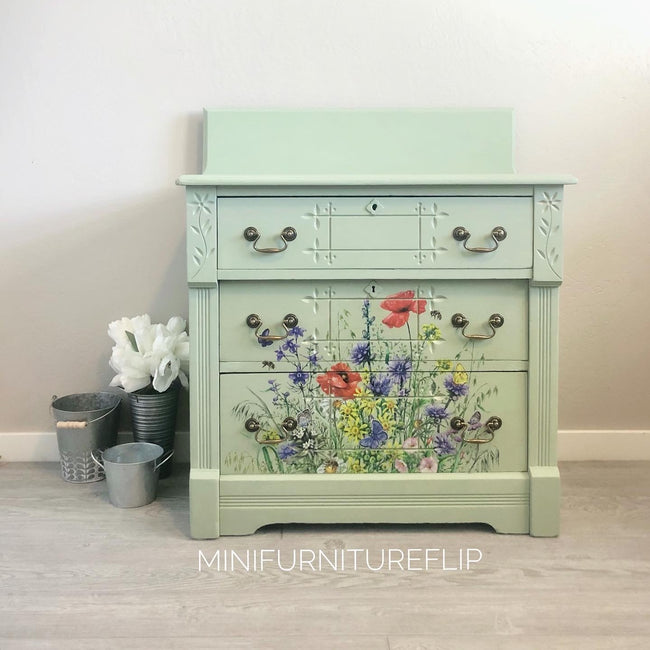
x,y
313,358
380,385
456,391
361,353
279,355
400,370
443,444
273,385
436,411
285,451
299,378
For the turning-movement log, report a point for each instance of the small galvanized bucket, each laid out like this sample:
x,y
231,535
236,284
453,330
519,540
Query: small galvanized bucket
x,y
132,472
153,416
85,422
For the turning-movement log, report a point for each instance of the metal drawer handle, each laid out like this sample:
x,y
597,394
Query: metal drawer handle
x,y
255,322
288,234
498,234
253,426
495,321
492,425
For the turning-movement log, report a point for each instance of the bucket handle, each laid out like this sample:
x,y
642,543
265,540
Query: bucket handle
x,y
80,424
162,462
92,455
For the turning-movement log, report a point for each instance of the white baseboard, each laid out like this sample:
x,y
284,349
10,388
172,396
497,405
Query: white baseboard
x,y
603,444
572,445
42,447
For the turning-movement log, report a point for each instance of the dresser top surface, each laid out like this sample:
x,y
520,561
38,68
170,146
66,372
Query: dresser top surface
x,y
416,181
360,147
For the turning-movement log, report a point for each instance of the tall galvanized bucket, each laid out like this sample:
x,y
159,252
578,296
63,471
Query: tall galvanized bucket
x,y
85,422
153,416
132,472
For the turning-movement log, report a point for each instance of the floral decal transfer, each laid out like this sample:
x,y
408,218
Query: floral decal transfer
x,y
380,407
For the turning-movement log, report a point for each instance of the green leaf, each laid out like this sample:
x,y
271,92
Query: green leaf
x,y
446,464
132,341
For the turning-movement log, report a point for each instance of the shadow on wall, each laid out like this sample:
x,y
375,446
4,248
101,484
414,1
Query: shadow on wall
x,y
67,279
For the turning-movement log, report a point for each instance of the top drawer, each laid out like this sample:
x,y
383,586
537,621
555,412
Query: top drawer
x,y
376,233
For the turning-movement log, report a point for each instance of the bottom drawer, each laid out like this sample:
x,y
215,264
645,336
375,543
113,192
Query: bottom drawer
x,y
443,420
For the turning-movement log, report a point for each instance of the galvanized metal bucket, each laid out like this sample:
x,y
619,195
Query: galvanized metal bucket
x,y
85,422
153,416
132,472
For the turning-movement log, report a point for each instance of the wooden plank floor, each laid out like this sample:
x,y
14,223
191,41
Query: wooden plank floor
x,y
75,572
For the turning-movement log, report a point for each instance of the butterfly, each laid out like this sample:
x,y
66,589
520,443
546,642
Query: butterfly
x,y
304,418
264,342
268,364
460,375
376,438
475,421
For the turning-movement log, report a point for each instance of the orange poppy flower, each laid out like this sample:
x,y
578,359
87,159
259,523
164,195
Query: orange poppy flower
x,y
340,380
401,305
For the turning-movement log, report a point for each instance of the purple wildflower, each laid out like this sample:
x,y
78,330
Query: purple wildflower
x,y
436,411
444,445
290,345
361,353
286,451
299,378
380,385
296,331
279,355
400,370
456,391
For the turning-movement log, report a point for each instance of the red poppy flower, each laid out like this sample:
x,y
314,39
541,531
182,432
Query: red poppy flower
x,y
401,305
340,380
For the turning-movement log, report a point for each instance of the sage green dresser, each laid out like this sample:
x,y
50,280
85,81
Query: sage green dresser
x,y
373,313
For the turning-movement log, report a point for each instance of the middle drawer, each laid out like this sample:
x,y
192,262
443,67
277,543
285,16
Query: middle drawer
x,y
283,323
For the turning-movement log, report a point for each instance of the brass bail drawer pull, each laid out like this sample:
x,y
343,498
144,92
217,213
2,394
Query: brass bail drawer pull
x,y
288,234
492,425
495,321
498,234
253,426
255,322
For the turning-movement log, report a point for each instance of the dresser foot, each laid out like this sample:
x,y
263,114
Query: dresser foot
x,y
544,501
204,503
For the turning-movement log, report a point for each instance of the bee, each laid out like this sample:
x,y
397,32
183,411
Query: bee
x,y
268,364
436,314
331,466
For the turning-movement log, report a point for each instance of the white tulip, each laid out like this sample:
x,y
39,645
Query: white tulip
x,y
160,355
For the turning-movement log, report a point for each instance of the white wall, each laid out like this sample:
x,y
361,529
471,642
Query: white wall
x,y
100,110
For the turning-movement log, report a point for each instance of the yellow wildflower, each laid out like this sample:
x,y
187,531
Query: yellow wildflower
x,y
430,332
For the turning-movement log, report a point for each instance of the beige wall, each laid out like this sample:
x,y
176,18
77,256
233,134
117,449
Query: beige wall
x,y
100,111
